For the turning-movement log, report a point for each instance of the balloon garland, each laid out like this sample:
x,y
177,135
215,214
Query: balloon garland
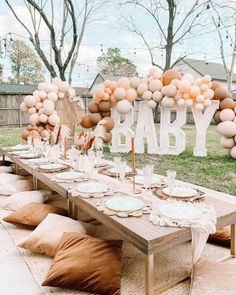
x,y
169,89
41,107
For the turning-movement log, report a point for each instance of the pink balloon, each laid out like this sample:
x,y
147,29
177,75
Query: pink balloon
x,y
155,85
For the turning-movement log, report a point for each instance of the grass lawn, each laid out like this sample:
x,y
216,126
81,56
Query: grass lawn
x,y
216,171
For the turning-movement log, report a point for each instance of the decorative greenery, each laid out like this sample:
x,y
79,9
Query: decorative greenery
x,y
112,63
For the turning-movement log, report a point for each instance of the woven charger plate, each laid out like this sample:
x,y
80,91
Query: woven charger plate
x,y
105,171
64,168
159,193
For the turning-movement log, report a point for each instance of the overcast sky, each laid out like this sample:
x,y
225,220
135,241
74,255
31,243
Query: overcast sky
x,y
110,31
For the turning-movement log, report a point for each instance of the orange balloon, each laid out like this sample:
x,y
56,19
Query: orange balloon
x,y
100,93
170,75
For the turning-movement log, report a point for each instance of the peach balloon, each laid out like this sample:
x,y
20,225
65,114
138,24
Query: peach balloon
x,y
113,85
157,96
23,107
188,77
142,88
107,83
48,101
169,90
30,101
181,102
134,82
195,90
227,115
131,95
175,82
99,92
106,96
56,81
206,79
53,96
38,99
184,86
170,75
199,106
63,86
34,118
207,103
108,91
233,152
48,109
113,100
189,102
43,94
167,102
53,120
227,143
40,111
227,103
123,106
32,110
186,95
227,128
124,83
209,94
120,93
151,104
200,98
36,93
144,80
215,85
203,87
43,118
155,85
147,95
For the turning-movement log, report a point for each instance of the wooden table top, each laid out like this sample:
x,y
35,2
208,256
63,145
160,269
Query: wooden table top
x,y
140,231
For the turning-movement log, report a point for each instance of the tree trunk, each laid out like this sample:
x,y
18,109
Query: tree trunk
x,y
170,34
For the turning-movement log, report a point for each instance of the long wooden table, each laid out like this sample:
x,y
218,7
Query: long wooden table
x,y
145,236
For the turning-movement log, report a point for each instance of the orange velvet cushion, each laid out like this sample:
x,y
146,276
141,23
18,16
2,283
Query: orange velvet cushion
x,y
33,214
221,237
86,264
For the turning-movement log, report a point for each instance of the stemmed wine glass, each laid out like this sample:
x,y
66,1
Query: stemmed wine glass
x,y
147,177
171,174
117,161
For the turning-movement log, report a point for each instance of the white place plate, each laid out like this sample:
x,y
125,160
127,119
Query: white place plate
x,y
29,156
139,179
70,175
51,166
180,191
39,161
92,188
127,170
124,204
18,153
180,211
19,147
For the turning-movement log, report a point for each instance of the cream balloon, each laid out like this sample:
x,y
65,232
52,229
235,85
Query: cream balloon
x,y
147,95
48,109
227,143
34,118
167,102
53,120
38,105
43,118
169,90
199,106
157,96
123,106
61,95
30,101
227,128
227,115
233,152
23,107
151,104
142,88
181,102
188,77
43,94
32,110
189,102
184,85
120,93
208,94
195,90
207,103
53,96
155,85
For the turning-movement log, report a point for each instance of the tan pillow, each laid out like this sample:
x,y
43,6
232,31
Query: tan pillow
x,y
221,237
214,278
46,237
15,187
33,214
18,200
86,264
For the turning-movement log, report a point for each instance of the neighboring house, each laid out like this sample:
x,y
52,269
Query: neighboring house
x,y
100,78
200,68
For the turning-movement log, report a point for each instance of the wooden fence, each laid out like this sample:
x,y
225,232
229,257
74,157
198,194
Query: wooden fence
x,y
11,116
10,113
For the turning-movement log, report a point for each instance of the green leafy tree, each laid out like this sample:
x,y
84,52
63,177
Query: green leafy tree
x,y
112,63
25,64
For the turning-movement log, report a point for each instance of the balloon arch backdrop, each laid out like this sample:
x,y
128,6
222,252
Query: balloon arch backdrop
x,y
112,106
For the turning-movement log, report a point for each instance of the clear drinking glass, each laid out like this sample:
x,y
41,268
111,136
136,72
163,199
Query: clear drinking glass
x,y
117,161
122,170
29,141
99,155
147,176
171,174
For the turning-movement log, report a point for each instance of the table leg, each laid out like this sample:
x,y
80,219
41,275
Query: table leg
x,y
35,183
15,168
149,275
70,208
3,157
233,240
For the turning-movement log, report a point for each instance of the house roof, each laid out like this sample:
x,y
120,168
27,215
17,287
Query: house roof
x,y
215,70
17,88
